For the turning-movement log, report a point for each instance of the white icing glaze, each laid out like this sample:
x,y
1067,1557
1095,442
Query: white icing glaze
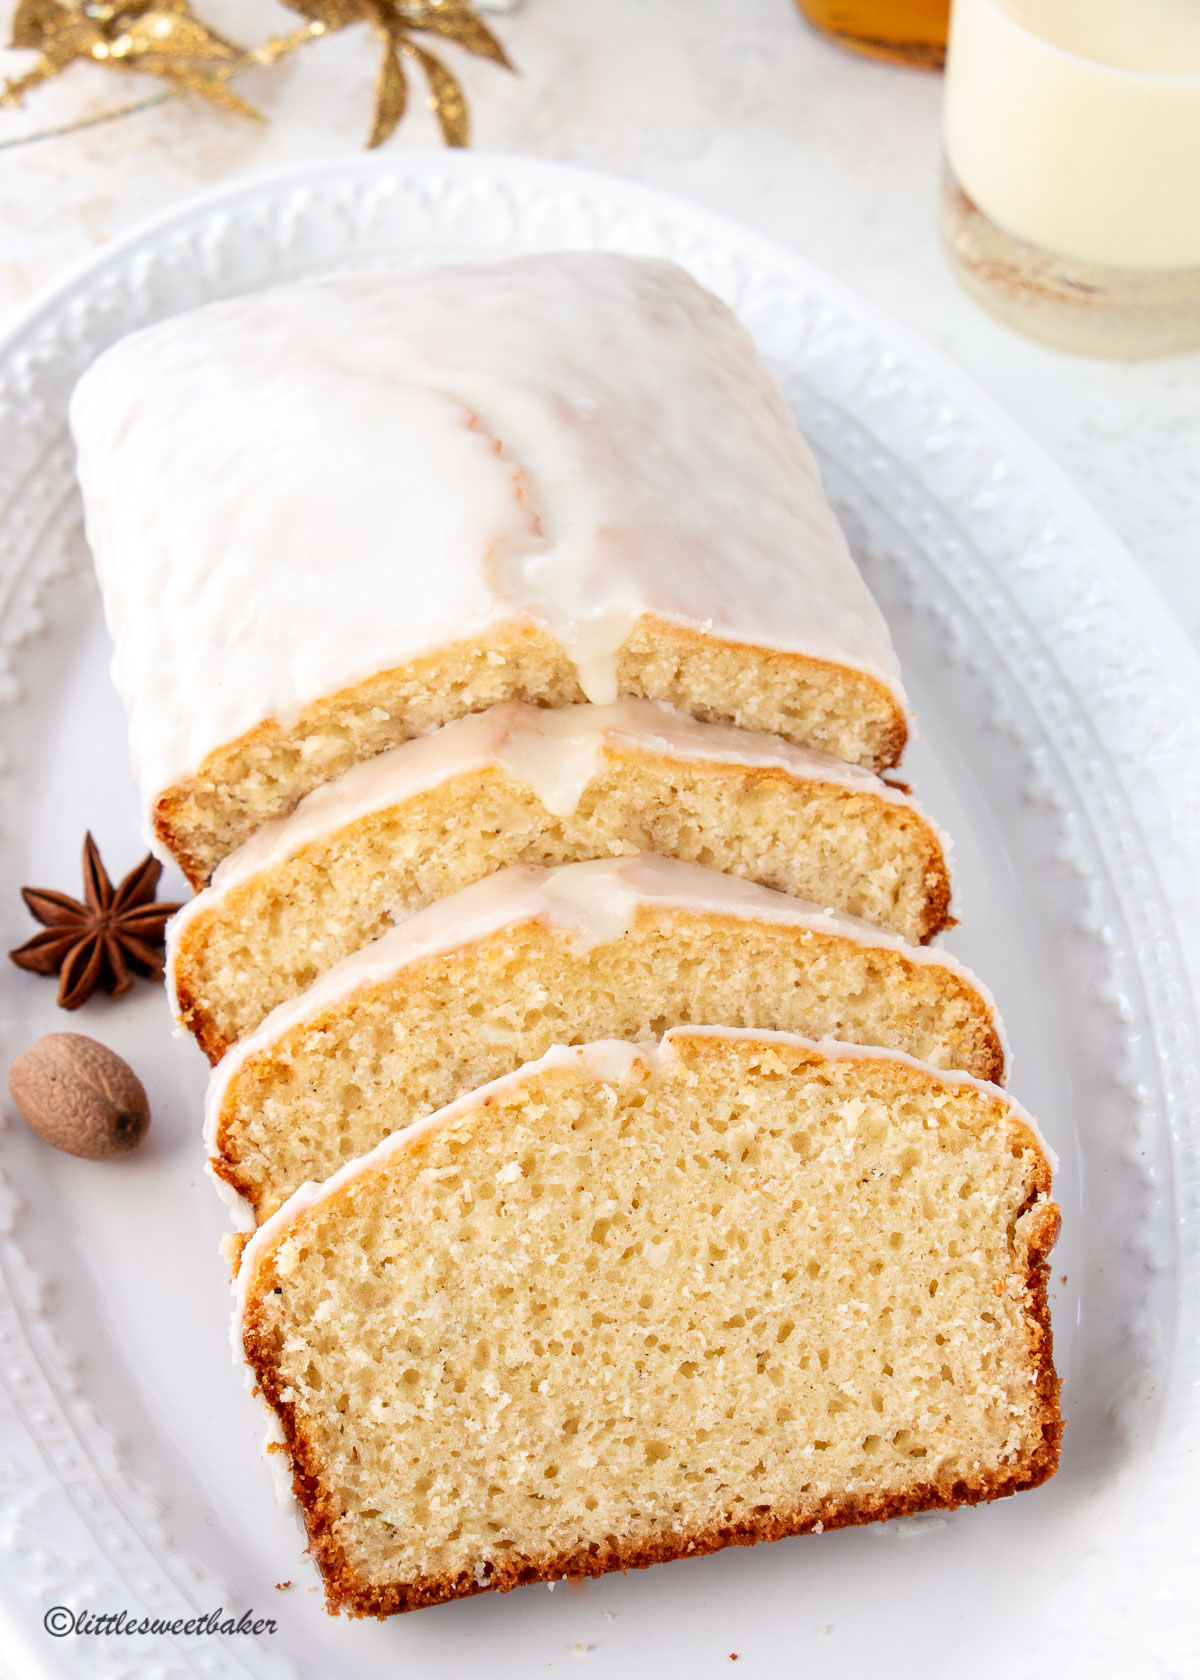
x,y
279,1463
591,903
289,491
555,753
613,1062
239,1207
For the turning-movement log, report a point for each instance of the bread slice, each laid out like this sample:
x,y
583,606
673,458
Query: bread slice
x,y
332,516
494,976
521,784
637,1303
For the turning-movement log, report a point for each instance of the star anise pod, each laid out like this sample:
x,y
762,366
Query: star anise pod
x,y
98,941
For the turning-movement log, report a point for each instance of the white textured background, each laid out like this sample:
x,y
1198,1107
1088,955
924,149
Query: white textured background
x,y
731,102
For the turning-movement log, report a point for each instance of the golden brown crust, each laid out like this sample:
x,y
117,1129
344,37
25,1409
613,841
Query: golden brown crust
x,y
1044,1460
225,1167
345,1593
937,901
190,1012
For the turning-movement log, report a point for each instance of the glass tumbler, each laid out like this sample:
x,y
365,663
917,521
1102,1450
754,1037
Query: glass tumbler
x,y
1071,192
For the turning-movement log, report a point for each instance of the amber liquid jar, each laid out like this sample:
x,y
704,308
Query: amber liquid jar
x,y
901,31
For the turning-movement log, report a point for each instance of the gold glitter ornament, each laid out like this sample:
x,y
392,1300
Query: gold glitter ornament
x,y
164,38
395,23
391,97
157,37
445,96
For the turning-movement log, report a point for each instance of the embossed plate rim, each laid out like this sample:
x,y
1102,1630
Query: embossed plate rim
x,y
1027,471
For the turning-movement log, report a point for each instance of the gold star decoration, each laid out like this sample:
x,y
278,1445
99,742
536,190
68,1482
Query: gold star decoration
x,y
164,38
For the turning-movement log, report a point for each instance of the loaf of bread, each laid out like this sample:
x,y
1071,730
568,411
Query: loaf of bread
x,y
332,516
622,1175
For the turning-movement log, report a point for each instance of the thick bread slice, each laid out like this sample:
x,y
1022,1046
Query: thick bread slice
x,y
523,784
266,772
493,976
631,1304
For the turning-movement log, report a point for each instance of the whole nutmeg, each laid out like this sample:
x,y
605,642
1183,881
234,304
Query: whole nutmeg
x,y
80,1096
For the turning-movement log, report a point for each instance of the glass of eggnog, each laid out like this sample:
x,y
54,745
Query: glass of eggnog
x,y
1071,195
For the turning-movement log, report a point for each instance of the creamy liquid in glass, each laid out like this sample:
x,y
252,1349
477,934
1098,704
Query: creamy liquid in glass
x,y
1075,125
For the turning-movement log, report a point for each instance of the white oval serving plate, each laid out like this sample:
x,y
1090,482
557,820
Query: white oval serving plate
x,y
1060,720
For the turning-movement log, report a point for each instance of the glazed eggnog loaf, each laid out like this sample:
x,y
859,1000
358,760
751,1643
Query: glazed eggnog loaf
x,y
637,1303
498,974
524,784
332,516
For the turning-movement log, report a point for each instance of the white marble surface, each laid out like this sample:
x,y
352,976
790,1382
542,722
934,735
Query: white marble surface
x,y
734,103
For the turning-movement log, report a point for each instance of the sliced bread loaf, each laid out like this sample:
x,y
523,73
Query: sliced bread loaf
x,y
495,975
523,784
